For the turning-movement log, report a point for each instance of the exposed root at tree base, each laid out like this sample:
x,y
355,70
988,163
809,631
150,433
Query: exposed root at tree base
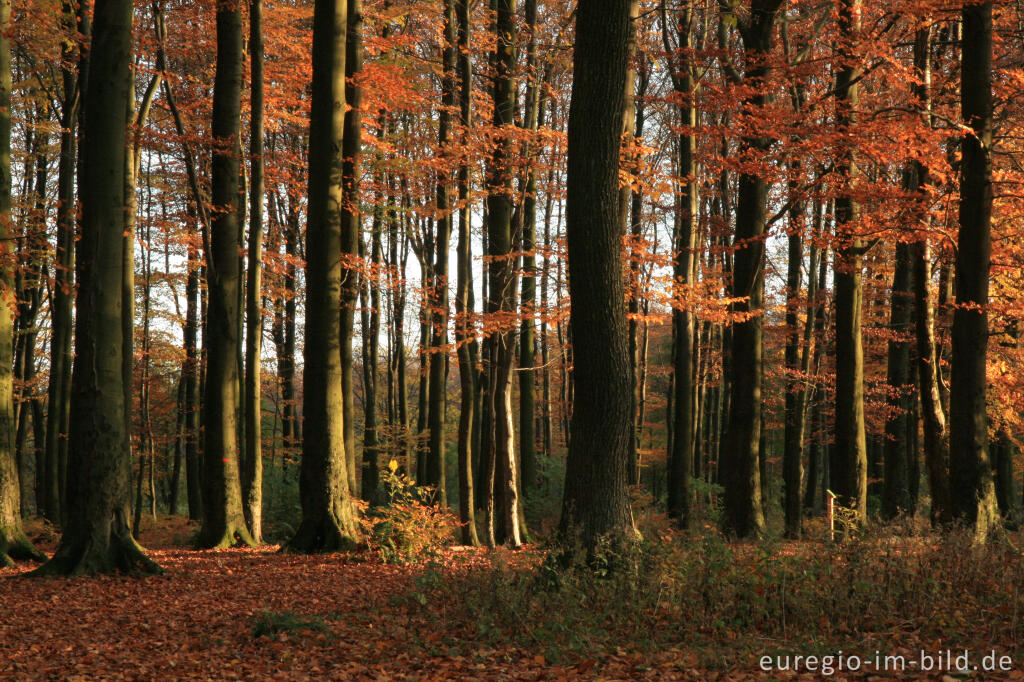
x,y
235,535
121,555
15,546
321,535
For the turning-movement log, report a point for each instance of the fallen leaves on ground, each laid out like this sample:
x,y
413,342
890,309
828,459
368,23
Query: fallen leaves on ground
x,y
196,621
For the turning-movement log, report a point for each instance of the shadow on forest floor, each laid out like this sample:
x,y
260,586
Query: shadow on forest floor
x,y
680,608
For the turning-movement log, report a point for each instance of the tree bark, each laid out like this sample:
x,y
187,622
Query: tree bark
x,y
97,537
223,518
328,518
970,468
501,274
596,499
351,221
680,468
739,470
437,386
850,475
13,543
252,479
464,327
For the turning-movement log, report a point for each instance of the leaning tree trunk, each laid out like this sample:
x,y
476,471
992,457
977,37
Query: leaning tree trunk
x,y
328,518
596,500
223,518
97,536
970,468
253,478
13,543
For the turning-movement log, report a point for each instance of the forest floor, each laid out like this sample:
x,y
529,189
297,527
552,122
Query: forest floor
x,y
260,614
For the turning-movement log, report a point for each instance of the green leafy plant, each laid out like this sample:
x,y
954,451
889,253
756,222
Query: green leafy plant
x,y
269,623
409,527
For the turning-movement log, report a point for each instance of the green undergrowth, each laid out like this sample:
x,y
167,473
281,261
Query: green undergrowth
x,y
271,624
730,603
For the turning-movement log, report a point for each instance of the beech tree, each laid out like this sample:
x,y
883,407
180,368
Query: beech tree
x,y
97,536
13,543
743,513
328,518
223,518
596,501
970,467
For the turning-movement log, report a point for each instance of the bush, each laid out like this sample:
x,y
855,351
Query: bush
x,y
409,527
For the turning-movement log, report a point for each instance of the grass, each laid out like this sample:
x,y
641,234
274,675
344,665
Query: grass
x,y
730,604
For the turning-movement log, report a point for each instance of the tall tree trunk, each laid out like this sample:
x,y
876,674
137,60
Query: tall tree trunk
x,y
371,332
13,543
970,468
680,469
739,470
596,500
501,285
351,220
252,481
328,518
792,456
223,519
437,386
50,493
190,378
464,327
896,493
850,475
97,537
936,452
528,303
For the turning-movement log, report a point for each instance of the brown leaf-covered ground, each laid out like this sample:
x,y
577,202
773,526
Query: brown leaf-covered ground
x,y
353,619
197,622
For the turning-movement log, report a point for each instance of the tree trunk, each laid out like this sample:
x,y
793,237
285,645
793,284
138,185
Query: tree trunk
x,y
501,274
328,518
252,481
739,469
792,456
223,519
596,500
437,386
464,327
528,302
13,543
50,493
850,475
351,219
680,468
371,332
896,493
97,537
970,467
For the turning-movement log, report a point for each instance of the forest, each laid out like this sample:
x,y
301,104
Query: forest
x,y
501,339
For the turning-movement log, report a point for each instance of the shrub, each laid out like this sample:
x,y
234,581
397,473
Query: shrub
x,y
409,527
